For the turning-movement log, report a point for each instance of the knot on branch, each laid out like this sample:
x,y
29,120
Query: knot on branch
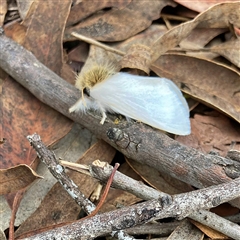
x,y
120,138
123,139
33,138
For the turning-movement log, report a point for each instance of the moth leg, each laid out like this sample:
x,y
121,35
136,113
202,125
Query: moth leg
x,y
104,116
76,106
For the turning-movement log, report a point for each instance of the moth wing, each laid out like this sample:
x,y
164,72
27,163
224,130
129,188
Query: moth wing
x,y
152,100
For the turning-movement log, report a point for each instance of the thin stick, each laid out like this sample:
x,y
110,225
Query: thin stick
x,y
106,190
98,44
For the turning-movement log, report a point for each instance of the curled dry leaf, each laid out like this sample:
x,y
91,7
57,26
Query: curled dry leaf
x,y
218,16
16,178
200,6
199,37
230,50
209,82
3,11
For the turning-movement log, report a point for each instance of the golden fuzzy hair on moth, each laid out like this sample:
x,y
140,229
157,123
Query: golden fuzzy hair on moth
x,y
97,73
155,101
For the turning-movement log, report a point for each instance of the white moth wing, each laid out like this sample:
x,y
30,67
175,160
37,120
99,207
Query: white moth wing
x,y
152,100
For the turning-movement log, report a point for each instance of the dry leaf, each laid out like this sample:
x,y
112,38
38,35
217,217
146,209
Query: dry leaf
x,y
23,114
45,40
119,24
3,11
214,132
218,16
16,178
230,50
86,8
200,6
199,37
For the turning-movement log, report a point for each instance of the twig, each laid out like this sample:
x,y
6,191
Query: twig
x,y
104,195
49,158
215,222
58,171
98,44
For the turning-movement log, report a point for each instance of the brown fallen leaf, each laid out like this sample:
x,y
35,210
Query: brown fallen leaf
x,y
209,82
86,8
16,178
119,24
45,40
23,114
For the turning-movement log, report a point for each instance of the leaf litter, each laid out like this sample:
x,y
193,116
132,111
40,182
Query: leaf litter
x,y
201,56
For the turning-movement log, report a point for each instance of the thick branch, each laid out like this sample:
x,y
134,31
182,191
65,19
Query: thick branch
x,y
135,140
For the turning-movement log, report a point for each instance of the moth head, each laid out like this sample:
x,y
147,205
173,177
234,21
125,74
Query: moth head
x,y
86,91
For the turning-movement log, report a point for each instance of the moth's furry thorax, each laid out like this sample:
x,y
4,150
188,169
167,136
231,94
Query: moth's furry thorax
x,y
96,74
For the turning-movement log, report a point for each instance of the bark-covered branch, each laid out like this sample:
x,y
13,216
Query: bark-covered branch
x,y
58,171
135,140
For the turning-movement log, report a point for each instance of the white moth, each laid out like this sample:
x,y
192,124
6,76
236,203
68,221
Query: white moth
x,y
152,100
